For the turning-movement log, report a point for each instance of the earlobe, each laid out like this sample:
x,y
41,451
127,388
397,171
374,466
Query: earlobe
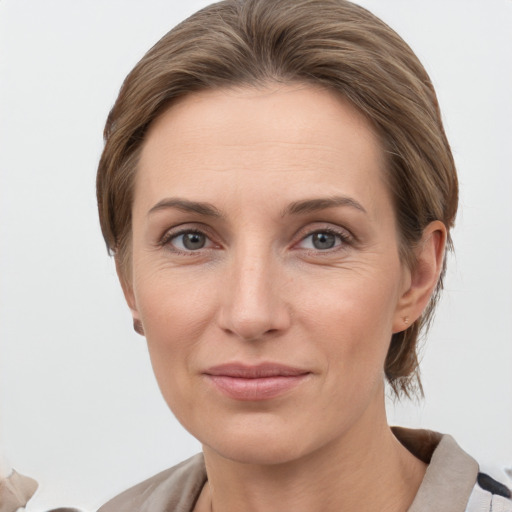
x,y
129,296
424,276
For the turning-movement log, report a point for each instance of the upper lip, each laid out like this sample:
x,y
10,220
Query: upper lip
x,y
259,371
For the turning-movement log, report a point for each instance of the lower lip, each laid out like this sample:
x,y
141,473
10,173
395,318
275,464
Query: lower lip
x,y
263,388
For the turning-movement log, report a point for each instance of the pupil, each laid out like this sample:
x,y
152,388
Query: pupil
x,y
324,240
193,241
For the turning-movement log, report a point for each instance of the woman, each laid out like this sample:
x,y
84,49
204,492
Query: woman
x,y
278,192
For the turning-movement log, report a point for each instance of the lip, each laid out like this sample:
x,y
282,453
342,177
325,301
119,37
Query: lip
x,y
255,382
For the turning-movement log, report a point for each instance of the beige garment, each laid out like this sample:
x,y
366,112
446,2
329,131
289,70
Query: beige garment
x,y
15,491
447,486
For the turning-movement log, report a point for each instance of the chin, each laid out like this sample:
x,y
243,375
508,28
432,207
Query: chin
x,y
259,442
258,452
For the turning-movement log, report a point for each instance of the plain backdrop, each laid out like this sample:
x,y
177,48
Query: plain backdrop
x,y
80,410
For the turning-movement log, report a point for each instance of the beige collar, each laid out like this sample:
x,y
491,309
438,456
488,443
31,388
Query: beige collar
x,y
15,491
451,473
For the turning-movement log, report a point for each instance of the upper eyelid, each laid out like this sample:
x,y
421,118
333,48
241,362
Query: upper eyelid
x,y
337,230
181,229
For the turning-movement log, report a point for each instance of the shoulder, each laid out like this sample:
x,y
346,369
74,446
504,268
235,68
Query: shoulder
x,y
175,489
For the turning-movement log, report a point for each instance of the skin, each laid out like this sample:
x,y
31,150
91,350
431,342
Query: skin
x,y
261,289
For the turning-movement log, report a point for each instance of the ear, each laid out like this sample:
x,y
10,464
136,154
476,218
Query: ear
x,y
423,277
127,286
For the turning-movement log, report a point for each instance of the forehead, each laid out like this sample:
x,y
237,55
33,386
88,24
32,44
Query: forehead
x,y
281,137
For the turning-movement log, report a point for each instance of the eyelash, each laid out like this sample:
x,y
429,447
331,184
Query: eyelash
x,y
343,239
169,236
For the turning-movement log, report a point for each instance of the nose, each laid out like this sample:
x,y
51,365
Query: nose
x,y
253,303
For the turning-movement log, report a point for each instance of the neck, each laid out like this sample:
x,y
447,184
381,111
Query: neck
x,y
366,469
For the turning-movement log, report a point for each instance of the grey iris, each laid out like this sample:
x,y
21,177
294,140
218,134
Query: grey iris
x,y
324,240
194,240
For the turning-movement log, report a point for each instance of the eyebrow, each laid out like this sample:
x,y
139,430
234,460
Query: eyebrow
x,y
296,208
185,205
321,203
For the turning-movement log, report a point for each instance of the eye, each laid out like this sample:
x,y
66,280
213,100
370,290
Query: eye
x,y
187,241
323,240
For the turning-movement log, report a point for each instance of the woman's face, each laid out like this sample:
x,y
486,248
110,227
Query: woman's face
x,y
266,270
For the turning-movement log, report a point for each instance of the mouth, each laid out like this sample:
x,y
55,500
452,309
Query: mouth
x,y
255,383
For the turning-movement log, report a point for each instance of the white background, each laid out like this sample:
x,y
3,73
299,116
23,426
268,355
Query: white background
x,y
80,410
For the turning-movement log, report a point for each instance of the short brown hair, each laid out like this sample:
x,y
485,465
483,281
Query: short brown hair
x,y
330,43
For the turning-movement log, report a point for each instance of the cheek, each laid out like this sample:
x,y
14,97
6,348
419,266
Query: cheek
x,y
175,316
171,305
352,322
358,309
